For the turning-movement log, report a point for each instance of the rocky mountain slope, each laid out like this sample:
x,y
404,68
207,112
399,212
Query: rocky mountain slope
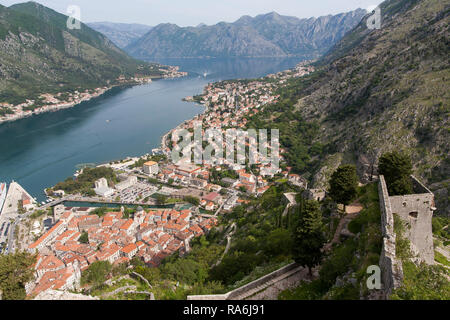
x,y
266,35
377,91
122,34
39,54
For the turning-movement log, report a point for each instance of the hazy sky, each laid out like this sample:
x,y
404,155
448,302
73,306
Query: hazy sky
x,y
193,12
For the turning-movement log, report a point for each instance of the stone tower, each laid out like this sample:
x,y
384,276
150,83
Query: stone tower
x,y
416,210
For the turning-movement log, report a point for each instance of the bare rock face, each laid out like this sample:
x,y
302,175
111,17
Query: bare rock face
x,y
62,295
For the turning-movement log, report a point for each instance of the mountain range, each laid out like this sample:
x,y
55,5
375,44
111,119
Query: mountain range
x,y
267,35
39,54
122,34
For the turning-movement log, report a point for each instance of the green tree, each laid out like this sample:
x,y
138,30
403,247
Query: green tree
x,y
396,168
235,266
96,273
278,242
101,211
308,236
153,275
84,238
344,185
15,271
161,199
194,200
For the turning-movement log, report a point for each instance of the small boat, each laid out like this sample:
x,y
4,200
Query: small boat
x,y
108,121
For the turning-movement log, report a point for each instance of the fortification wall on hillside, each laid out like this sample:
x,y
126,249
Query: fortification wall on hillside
x,y
416,210
391,267
241,292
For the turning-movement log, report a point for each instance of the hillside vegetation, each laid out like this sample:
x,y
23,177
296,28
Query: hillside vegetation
x,y
377,91
39,54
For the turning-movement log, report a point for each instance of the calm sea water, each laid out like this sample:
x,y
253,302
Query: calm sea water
x,y
42,150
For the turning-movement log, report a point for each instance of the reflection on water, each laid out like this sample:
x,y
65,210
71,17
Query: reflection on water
x,y
42,150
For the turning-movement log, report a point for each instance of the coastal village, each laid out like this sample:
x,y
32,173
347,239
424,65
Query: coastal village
x,y
229,103
54,102
75,237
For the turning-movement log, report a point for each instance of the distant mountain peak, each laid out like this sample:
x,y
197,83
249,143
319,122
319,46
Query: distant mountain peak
x,y
122,34
274,14
244,20
266,35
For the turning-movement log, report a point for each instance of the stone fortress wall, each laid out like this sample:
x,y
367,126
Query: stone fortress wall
x,y
391,268
244,291
416,210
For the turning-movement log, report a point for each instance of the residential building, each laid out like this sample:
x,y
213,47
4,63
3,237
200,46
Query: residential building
x,y
151,168
213,197
130,250
57,229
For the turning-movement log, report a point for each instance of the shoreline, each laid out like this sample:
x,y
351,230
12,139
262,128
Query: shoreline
x,y
66,105
164,137
98,93
50,108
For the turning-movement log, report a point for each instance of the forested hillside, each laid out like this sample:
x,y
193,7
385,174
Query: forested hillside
x,y
39,54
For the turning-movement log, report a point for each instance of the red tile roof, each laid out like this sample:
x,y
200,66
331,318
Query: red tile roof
x,y
46,235
129,248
